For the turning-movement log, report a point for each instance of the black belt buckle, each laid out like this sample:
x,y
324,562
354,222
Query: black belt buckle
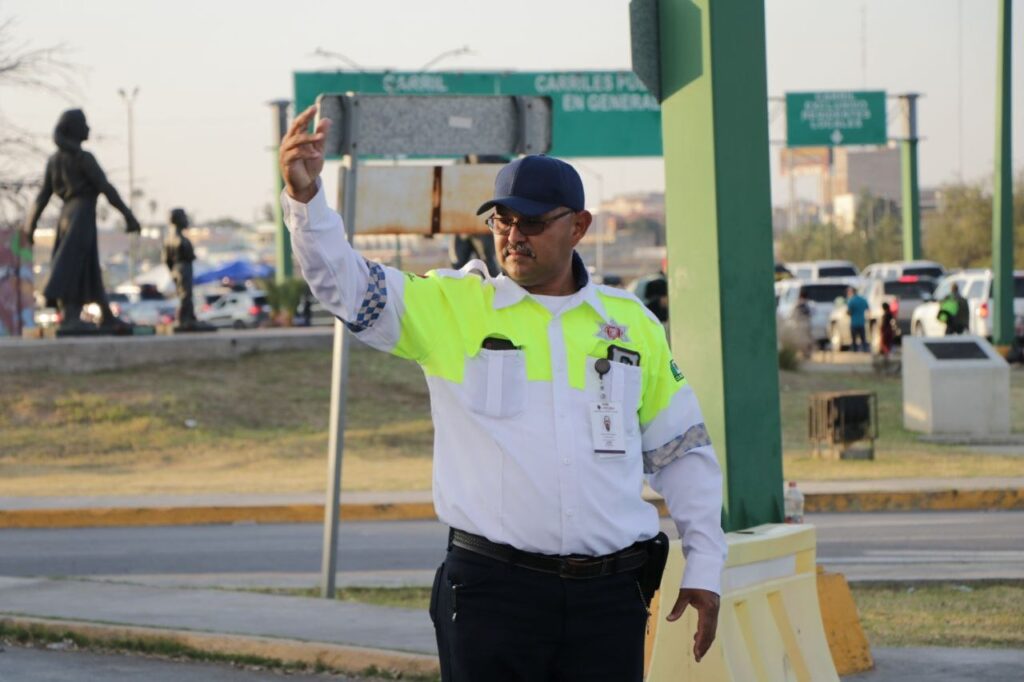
x,y
581,567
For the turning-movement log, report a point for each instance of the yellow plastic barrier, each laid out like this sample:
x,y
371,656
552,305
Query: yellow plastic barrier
x,y
769,626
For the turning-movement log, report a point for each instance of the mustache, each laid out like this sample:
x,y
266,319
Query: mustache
x,y
521,249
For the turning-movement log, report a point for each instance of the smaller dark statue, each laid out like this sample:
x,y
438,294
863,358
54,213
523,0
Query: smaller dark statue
x,y
179,255
74,175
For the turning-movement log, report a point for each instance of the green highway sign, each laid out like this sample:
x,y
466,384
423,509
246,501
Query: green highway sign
x,y
594,113
815,119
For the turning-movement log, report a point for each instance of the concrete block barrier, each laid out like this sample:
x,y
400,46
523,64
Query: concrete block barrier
x,y
770,626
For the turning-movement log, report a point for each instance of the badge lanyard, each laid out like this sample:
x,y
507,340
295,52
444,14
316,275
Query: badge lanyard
x,y
606,418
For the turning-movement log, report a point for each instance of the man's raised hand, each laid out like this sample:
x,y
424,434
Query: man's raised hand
x,y
301,156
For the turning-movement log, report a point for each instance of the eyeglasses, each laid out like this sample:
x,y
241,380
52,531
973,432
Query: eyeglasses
x,y
531,227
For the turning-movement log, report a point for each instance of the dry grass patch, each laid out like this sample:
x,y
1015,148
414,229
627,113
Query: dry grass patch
x,y
898,452
259,424
972,615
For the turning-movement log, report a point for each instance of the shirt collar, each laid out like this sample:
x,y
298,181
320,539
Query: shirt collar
x,y
508,293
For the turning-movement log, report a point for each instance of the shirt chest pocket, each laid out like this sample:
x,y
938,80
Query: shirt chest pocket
x,y
623,384
495,383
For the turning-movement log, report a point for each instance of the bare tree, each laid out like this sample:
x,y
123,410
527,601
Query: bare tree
x,y
25,67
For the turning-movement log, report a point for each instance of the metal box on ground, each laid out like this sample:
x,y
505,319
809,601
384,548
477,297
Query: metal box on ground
x,y
843,424
956,385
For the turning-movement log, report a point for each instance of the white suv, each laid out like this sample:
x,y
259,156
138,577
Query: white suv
x,y
904,268
238,309
822,269
821,297
976,287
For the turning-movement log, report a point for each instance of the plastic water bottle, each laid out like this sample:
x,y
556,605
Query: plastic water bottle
x,y
794,504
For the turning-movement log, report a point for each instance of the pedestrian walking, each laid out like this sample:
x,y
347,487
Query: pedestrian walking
x,y
552,397
953,312
856,307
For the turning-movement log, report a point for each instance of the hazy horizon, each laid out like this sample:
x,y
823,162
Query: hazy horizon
x,y
205,72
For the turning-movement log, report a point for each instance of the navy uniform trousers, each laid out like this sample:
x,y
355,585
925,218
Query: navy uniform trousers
x,y
497,622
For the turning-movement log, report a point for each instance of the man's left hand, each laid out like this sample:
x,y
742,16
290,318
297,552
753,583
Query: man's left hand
x,y
706,603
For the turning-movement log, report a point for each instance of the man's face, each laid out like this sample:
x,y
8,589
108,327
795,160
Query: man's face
x,y
533,261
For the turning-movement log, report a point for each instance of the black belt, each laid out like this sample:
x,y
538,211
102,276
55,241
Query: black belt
x,y
572,566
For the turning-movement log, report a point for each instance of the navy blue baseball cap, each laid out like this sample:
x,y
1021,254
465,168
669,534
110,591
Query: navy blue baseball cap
x,y
534,185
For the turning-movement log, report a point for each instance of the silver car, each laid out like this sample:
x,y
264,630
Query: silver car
x,y
820,296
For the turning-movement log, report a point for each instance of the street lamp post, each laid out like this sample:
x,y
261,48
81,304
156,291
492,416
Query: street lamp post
x,y
133,248
601,218
457,52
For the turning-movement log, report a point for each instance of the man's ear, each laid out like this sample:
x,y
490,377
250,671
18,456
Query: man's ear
x,y
580,225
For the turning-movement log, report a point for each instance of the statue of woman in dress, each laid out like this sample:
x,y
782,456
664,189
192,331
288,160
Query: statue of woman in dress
x,y
74,175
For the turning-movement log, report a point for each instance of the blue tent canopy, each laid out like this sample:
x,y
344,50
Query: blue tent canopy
x,y
237,270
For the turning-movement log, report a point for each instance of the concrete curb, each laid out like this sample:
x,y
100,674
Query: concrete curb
x,y
207,515
919,500
338,657
993,499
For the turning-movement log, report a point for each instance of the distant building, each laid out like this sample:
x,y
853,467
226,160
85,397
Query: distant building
x,y
615,219
638,205
875,171
801,212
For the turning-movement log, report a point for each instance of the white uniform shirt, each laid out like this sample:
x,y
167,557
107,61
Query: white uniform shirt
x,y
514,459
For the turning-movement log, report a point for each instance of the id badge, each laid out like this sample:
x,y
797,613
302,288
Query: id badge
x,y
606,428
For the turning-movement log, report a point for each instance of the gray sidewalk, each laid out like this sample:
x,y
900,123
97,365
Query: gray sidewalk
x,y
267,619
220,611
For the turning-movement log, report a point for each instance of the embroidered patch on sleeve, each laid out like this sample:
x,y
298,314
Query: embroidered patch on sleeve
x,y
695,437
373,302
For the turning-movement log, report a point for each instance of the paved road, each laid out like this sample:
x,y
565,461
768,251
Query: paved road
x,y
20,664
946,545
931,664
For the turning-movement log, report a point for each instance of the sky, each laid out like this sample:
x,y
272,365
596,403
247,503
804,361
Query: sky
x,y
205,70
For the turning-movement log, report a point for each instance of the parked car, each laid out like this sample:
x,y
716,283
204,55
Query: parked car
x,y
237,309
903,294
822,269
821,296
904,268
139,304
976,287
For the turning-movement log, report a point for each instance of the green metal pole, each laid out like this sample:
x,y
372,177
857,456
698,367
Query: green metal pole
x,y
911,195
283,271
1002,188
720,264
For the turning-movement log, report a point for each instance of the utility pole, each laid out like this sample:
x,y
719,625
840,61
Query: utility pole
x,y
911,196
133,246
1002,188
711,81
279,120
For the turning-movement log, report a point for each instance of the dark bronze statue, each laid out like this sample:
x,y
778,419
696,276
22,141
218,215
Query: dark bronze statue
x,y
179,255
74,175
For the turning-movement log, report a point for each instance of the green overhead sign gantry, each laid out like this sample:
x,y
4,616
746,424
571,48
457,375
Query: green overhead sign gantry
x,y
819,119
594,113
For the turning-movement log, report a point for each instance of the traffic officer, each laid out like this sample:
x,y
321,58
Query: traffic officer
x,y
552,398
